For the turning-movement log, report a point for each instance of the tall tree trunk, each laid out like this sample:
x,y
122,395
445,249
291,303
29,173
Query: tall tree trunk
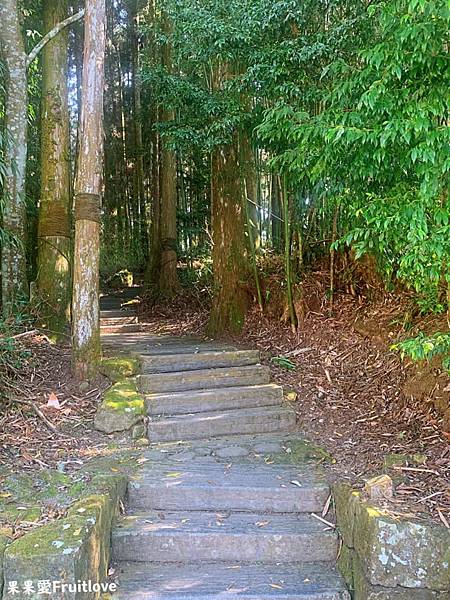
x,y
54,230
137,122
154,259
88,186
168,281
231,272
13,263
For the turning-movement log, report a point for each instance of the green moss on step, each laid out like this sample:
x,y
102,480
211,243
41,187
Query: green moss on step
x,y
119,367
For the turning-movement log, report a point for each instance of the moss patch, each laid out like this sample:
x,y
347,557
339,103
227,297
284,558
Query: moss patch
x,y
122,407
298,451
75,547
119,367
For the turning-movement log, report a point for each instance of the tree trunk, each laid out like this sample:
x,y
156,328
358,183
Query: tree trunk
x,y
231,272
168,281
154,259
14,280
88,186
138,142
276,216
250,180
54,230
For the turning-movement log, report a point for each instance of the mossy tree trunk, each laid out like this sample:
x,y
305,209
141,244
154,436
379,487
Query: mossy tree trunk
x,y
230,262
88,186
54,229
13,260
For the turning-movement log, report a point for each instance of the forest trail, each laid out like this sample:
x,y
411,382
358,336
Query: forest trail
x,y
223,506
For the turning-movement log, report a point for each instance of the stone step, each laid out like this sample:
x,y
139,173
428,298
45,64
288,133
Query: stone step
x,y
121,328
115,313
212,486
210,424
196,360
204,379
123,320
223,537
168,348
319,581
150,344
196,401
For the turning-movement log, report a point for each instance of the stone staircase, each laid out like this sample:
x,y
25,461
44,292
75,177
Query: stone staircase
x,y
212,515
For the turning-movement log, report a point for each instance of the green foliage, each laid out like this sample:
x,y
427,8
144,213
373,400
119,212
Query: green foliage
x,y
379,142
426,347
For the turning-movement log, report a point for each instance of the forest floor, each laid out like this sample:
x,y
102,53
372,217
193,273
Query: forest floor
x,y
347,384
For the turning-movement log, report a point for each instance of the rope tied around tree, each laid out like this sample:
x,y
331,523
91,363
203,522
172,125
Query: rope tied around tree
x,y
55,223
88,207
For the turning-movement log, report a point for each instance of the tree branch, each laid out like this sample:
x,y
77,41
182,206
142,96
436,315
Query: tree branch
x,y
53,33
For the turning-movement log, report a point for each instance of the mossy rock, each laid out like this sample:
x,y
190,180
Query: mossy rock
x,y
71,549
393,551
4,542
345,565
24,495
346,501
122,407
363,590
120,367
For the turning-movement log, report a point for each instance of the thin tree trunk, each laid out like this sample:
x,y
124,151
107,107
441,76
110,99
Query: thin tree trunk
x,y
13,263
54,230
275,208
249,169
137,120
88,187
168,281
287,257
154,259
